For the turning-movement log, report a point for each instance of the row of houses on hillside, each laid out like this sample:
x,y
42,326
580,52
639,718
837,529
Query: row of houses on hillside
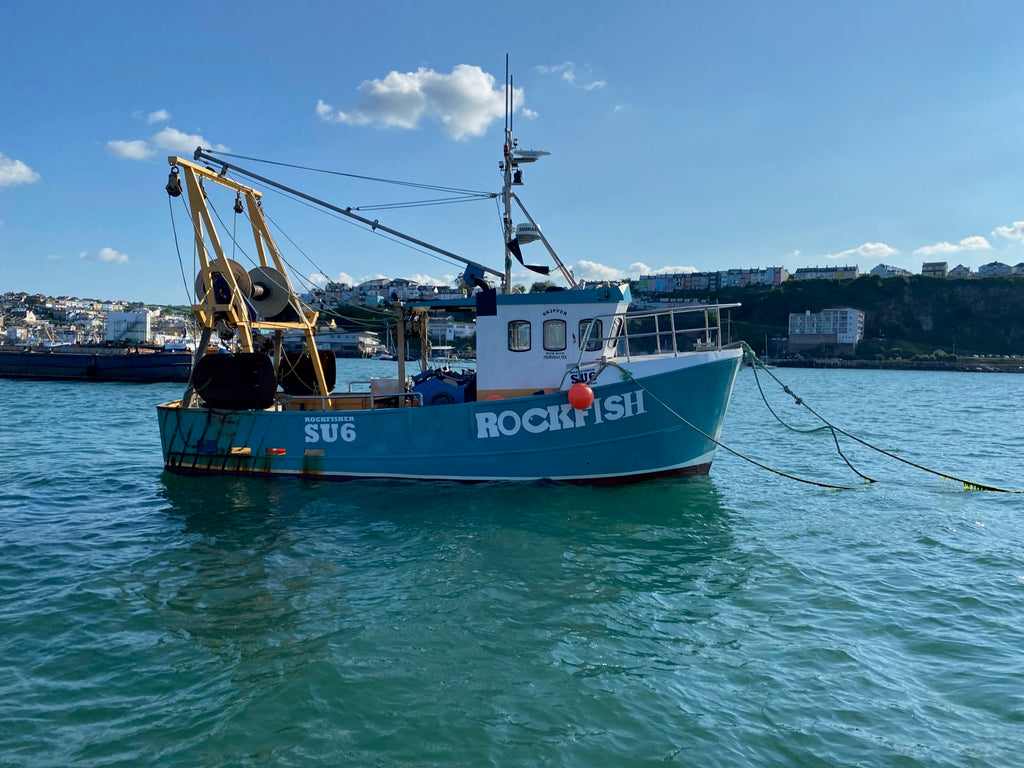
x,y
12,299
379,292
992,269
34,320
737,278
934,269
770,276
710,281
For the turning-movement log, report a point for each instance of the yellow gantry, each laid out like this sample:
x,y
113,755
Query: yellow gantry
x,y
235,313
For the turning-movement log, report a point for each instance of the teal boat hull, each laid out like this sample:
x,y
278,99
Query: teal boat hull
x,y
661,425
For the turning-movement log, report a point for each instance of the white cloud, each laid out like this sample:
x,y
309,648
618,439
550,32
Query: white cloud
x,y
332,115
868,250
973,243
129,150
567,72
592,271
466,101
1014,232
168,139
15,172
185,143
639,268
428,280
943,247
108,255
159,116
320,279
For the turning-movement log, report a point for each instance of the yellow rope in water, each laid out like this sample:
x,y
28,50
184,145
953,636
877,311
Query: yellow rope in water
x,y
756,362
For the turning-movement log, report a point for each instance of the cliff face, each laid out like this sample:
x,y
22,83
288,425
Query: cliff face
x,y
974,314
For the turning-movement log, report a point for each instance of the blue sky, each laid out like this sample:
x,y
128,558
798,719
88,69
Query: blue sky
x,y
705,135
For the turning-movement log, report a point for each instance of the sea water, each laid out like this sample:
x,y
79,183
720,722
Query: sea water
x,y
740,619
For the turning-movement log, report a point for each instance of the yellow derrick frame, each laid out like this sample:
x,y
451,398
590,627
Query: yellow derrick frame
x,y
235,313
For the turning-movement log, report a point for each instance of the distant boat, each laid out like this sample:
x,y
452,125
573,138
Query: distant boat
x,y
388,351
95,363
569,385
443,354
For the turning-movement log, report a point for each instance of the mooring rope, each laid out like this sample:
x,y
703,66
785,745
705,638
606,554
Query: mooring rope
x,y
627,375
834,432
969,485
756,362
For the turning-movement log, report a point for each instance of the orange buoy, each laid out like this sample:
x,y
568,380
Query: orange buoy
x,y
581,396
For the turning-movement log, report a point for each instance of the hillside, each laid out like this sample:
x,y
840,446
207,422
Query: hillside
x,y
912,315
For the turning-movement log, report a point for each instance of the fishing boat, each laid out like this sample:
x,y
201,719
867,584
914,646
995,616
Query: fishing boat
x,y
569,385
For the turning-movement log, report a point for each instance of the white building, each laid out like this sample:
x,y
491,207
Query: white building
x,y
345,343
442,329
129,326
960,271
465,330
995,269
887,270
836,330
827,273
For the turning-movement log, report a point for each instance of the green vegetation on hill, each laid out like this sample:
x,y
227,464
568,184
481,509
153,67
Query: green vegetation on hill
x,y
903,315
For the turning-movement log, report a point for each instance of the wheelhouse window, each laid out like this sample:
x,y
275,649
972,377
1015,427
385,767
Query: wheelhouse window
x,y
519,335
554,335
591,335
615,338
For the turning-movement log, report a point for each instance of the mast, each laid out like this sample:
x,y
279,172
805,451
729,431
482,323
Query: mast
x,y
506,187
513,177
